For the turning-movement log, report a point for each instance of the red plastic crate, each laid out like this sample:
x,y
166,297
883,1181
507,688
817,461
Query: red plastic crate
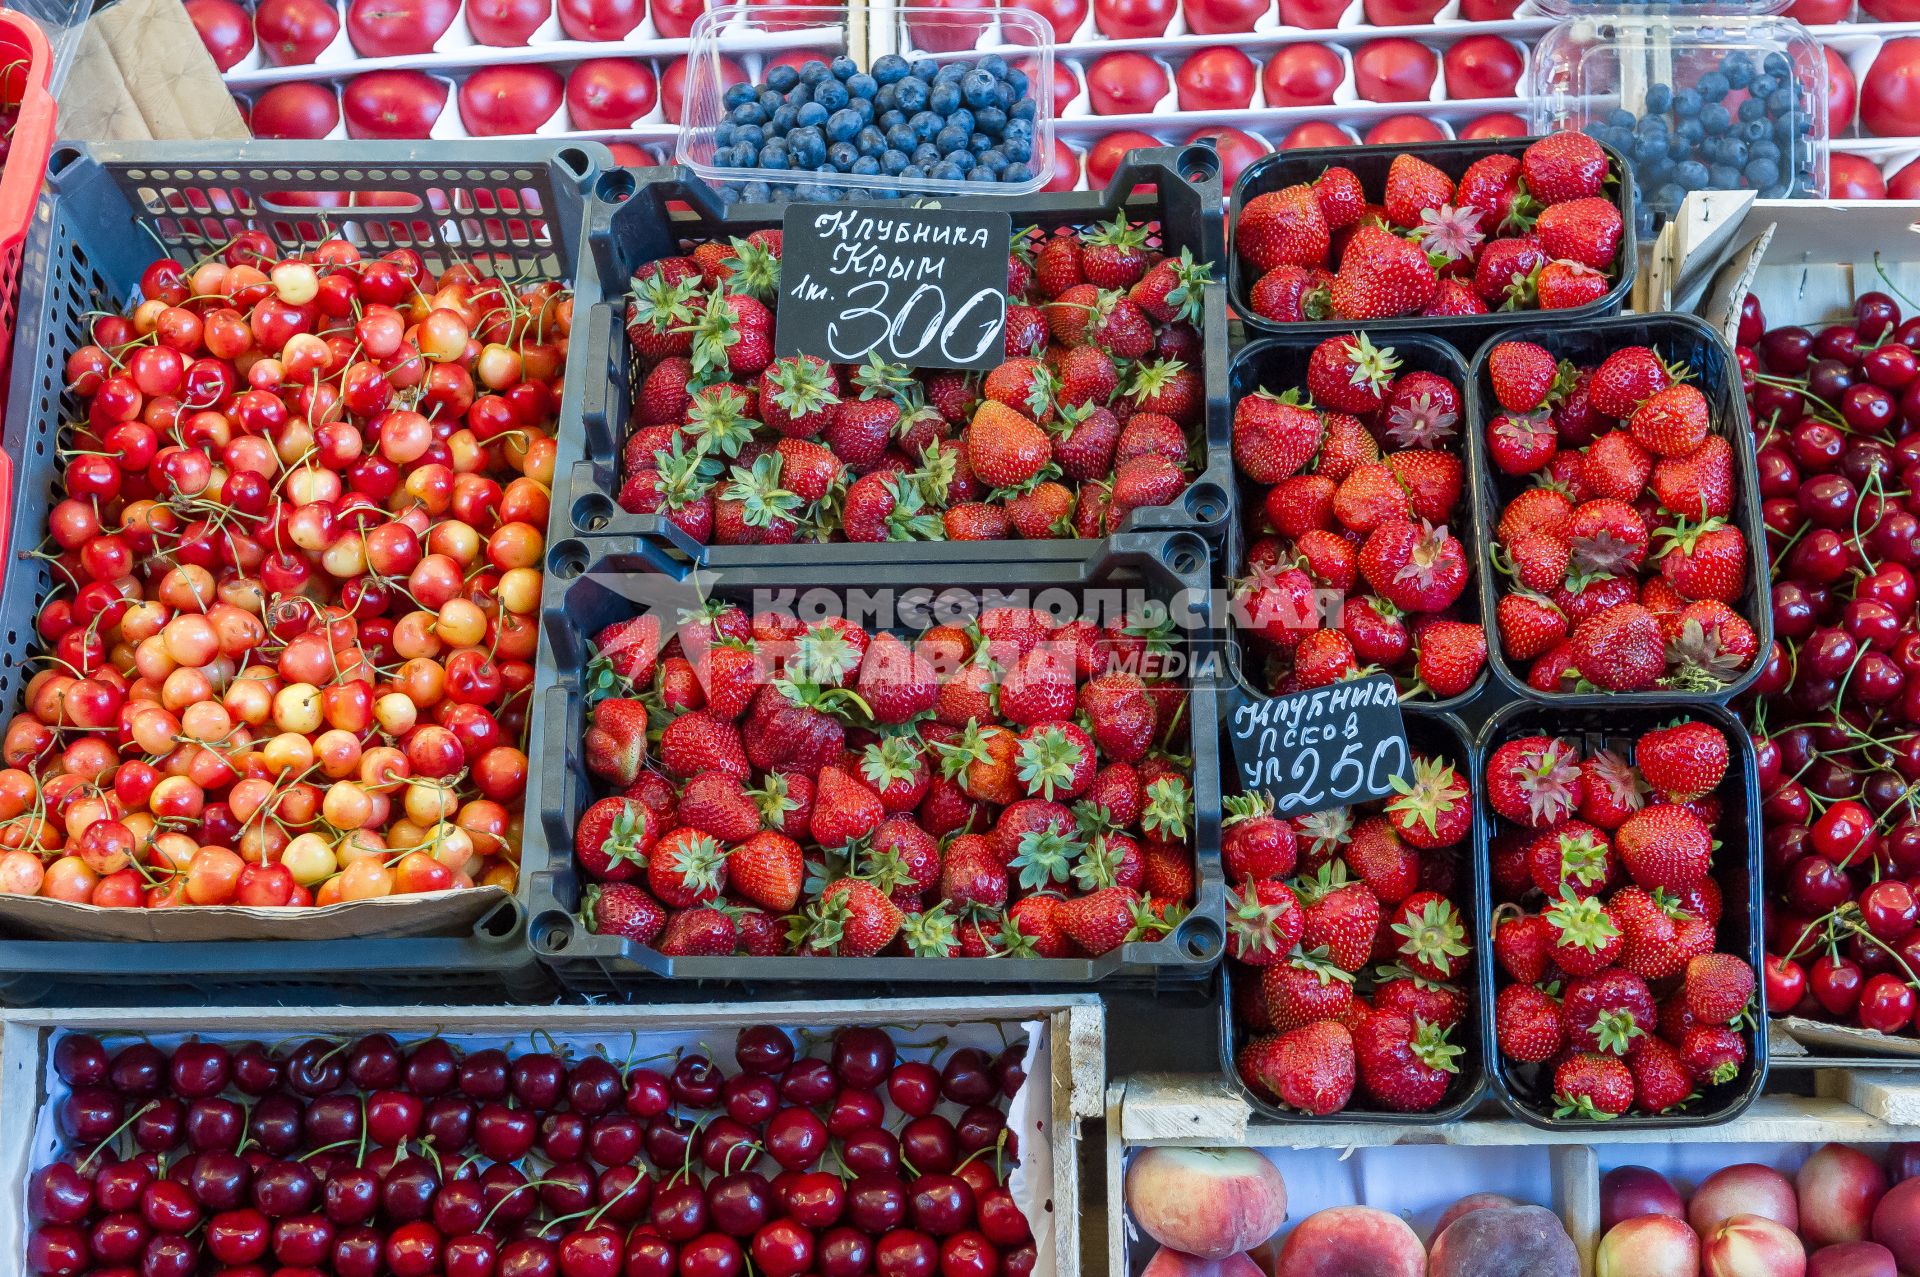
x,y
26,67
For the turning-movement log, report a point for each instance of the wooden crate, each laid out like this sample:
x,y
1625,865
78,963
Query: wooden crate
x,y
1869,1108
1070,1028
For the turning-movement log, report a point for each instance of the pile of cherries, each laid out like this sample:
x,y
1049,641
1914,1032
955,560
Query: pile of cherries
x,y
366,1158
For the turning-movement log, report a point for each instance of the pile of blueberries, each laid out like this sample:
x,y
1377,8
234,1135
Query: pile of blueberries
x,y
1691,139
969,121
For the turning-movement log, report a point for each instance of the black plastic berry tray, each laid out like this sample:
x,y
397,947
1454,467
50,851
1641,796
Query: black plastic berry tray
x,y
591,587
1370,164
1694,342
637,216
1446,736
1280,364
514,207
1526,1089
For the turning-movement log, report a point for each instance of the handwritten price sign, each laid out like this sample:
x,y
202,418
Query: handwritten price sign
x,y
924,287
1328,747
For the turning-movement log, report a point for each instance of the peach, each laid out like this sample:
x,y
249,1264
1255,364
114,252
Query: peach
x,y
1852,1259
1471,1202
1896,1223
1838,1187
1505,1241
1753,1246
1352,1241
1649,1246
1627,1192
1744,1189
1174,1263
1210,1202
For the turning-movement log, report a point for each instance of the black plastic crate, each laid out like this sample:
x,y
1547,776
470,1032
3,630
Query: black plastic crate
x,y
1526,1089
1280,363
1687,339
589,588
638,216
508,207
1442,735
1370,164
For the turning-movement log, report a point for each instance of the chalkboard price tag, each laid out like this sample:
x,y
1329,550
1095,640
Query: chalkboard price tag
x,y
1329,747
924,287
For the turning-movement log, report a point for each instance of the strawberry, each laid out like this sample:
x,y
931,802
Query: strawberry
x,y
1027,333
1611,790
1616,466
1068,314
1608,1012
1253,842
1521,442
1672,422
698,933
612,839
687,868
885,506
1264,919
796,393
1586,231
1534,781
1005,448
1441,1005
1704,561
976,521
1024,385
1323,658
1173,289
616,740
1571,856
1529,625
664,393
1416,567
1504,276
1665,846
1279,606
851,919
1522,374
1563,166
1586,938
1429,938
1085,441
1057,266
1085,375
1592,1087
1626,379
844,807
1272,439
1341,917
1713,1054
1718,987
1389,868
1381,276
1405,1064
1535,510
1698,485
1435,808
1310,1068
1413,188
1712,640
1342,199
732,335
1036,919
1526,1024
1291,294
1300,504
1684,761
1522,944
1433,480
660,316
1113,254
1369,497
1170,387
1039,687
895,680
1100,921
1450,657
1282,228
1620,649
858,430
1303,989
1330,558
1491,185
1350,373
1422,410
767,870
1562,285
1119,327
1455,297
1661,1081
715,803
621,909
701,741
971,874
1141,482
1376,630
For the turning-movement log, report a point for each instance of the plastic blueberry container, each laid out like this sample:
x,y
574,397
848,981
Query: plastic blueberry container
x,y
758,37
1654,86
1682,9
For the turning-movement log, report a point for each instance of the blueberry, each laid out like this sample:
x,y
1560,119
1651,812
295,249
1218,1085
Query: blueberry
x,y
1754,131
843,67
946,171
902,138
808,146
992,121
1712,86
750,135
1621,118
841,125
913,171
738,95
1765,149
981,173
723,133
1016,80
865,166
995,160
729,195
1024,109
924,69
893,161
833,194
1658,98
782,78
890,68
1648,149
774,156
1678,148
784,119
862,85
1761,173
1763,85
979,143
1692,130
815,72
1668,196
1715,119
770,101
886,98
1723,177
1691,174
976,88
1738,68
926,155
1004,95
1735,152
1017,172
1656,173
950,73
862,107
1649,124
831,94
748,113
1780,103
1686,102
945,98
1777,64
811,116
962,120
799,95
994,65
951,139
1017,151
1598,130
745,156
910,95
869,141
1752,109
842,155
1022,129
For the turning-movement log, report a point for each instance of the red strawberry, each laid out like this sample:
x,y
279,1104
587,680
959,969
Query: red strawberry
x,y
1342,199
1370,497
1616,466
1005,448
1620,649
1389,868
1526,1024
698,933
767,869
1718,988
1341,917
1433,480
1665,846
1381,276
1324,657
1310,1068
1565,285
1350,373
1505,274
1571,856
1036,918
1626,379
1564,166
1415,567
732,335
1450,657
701,741
1608,1012
1712,1054
1522,374
796,393
1113,254
1414,187
1529,625
714,802
1698,485
1441,1005
976,521
1684,761
1521,443
612,839
1263,921
622,909
1592,1087
687,868
1491,184
1672,422
1611,790
1406,1065
1429,937
1704,561
1282,228
1660,1078
1435,808
1057,265
1100,921
851,919
844,807
1587,231
1173,289
616,740
1303,989
1586,939
1455,297
1272,439
895,680
1534,781
1523,944
1291,294
1254,843
1142,482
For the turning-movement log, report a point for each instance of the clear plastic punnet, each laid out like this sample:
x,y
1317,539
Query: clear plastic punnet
x,y
1701,103
765,46
1683,10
